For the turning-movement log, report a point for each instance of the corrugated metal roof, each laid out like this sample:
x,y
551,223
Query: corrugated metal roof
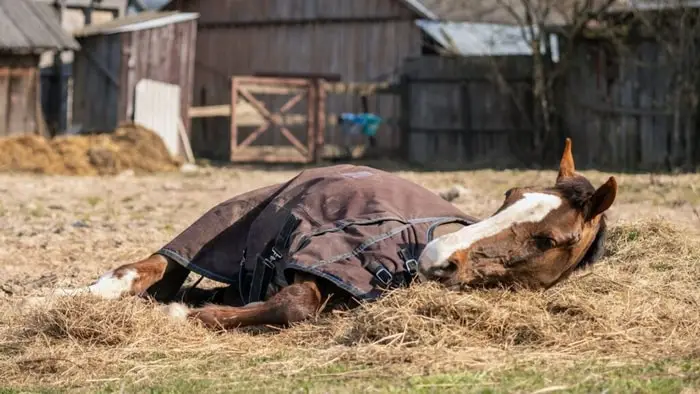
x,y
140,21
480,39
27,26
512,12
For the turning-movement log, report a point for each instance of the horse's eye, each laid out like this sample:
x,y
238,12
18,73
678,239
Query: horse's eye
x,y
544,243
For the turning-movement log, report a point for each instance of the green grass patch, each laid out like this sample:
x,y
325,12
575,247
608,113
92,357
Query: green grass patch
x,y
669,376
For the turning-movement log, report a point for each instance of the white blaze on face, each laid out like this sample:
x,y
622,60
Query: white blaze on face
x,y
531,208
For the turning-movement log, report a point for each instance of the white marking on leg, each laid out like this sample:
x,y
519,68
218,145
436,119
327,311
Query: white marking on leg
x,y
177,311
532,208
107,286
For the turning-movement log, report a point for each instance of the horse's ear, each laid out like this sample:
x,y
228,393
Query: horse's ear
x,y
602,199
566,166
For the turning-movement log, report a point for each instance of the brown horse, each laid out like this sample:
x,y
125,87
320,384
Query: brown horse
x,y
536,239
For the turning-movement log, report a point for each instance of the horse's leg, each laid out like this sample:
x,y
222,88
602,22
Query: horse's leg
x,y
155,276
294,303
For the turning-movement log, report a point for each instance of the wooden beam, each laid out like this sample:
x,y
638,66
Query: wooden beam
x,y
185,140
248,118
272,81
234,118
326,77
210,111
300,21
321,121
279,90
357,87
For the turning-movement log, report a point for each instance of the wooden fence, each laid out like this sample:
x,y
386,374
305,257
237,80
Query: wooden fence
x,y
625,110
264,108
466,112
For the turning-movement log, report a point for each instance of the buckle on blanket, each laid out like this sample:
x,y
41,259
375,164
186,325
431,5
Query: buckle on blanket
x,y
273,257
384,276
411,266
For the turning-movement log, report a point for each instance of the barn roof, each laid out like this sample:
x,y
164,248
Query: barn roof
x,y
512,12
508,12
140,21
30,27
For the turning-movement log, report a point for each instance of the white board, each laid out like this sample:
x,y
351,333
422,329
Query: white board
x,y
157,107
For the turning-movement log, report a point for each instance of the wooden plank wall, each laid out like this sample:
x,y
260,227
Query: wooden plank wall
x,y
620,109
164,54
97,87
361,40
20,110
467,112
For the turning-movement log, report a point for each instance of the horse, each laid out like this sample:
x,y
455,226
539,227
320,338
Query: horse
x,y
536,239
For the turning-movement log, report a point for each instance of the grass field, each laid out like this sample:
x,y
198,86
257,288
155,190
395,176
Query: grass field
x,y
631,324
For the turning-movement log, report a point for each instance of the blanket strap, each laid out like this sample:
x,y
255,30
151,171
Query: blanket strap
x,y
267,261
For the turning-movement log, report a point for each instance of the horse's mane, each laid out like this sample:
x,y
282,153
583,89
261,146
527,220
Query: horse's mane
x,y
577,190
597,248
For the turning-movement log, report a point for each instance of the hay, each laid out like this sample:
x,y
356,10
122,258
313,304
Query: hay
x,y
129,147
643,294
639,303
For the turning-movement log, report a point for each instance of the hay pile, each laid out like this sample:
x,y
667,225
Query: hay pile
x,y
639,303
129,147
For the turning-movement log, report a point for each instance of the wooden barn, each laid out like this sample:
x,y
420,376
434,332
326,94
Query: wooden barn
x,y
359,41
28,29
631,97
56,68
150,52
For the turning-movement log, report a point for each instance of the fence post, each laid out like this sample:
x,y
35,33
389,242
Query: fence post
x,y
234,126
405,117
320,119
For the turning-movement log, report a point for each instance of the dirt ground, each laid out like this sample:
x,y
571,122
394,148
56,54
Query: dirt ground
x,y
65,231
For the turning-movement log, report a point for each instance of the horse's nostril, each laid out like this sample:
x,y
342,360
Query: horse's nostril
x,y
444,270
451,267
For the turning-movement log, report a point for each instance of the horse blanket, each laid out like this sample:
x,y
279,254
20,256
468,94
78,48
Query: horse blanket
x,y
360,228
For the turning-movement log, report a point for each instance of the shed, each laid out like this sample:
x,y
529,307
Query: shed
x,y
116,55
56,92
27,29
362,41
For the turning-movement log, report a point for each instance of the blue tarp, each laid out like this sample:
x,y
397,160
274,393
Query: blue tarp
x,y
368,123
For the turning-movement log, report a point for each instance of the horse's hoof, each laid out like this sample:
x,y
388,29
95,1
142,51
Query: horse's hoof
x,y
176,311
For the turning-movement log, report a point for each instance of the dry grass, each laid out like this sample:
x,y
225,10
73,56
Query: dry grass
x,y
639,305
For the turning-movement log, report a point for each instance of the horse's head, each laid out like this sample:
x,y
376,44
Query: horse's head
x,y
537,238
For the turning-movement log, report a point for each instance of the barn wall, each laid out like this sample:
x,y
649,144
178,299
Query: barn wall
x,y
467,112
270,11
164,54
362,41
97,84
20,107
104,96
626,111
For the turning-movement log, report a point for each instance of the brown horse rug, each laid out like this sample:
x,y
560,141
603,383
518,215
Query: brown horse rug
x,y
360,228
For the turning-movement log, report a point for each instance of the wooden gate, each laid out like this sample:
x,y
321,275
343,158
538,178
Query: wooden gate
x,y
248,110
